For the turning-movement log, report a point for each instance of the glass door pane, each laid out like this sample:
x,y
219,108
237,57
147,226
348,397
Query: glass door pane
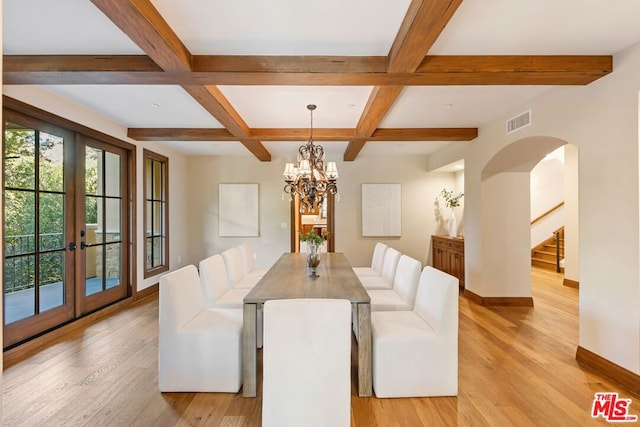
x,y
102,227
36,281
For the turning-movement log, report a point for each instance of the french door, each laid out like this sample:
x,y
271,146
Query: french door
x,y
65,217
102,224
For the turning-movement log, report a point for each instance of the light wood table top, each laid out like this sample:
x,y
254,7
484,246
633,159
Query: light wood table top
x,y
288,278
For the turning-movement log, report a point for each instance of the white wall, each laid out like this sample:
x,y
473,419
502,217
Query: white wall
x,y
547,190
547,184
601,119
421,213
419,208
204,174
458,187
178,183
571,214
505,226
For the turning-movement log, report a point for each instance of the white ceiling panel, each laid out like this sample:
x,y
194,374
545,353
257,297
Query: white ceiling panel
x,y
46,27
198,148
140,106
404,148
540,27
286,106
288,151
455,106
285,27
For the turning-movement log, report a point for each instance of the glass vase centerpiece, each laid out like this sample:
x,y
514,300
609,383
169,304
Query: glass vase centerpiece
x,y
314,241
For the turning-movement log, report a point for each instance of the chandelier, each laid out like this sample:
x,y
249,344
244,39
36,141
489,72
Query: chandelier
x,y
311,180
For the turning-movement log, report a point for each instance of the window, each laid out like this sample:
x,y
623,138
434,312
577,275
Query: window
x,y
156,213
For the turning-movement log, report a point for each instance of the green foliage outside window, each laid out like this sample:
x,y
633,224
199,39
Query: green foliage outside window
x,y
20,151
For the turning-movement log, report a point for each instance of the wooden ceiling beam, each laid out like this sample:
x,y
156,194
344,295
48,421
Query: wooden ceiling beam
x,y
424,134
180,134
423,23
219,107
302,134
305,65
539,64
433,70
495,78
80,63
144,25
212,100
289,64
421,26
353,149
380,101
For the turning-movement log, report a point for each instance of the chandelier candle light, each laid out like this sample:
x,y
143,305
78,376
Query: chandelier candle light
x,y
311,180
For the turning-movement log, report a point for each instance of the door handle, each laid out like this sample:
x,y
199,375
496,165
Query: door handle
x,y
83,245
72,246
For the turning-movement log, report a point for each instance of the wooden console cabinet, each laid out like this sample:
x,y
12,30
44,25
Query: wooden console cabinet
x,y
448,256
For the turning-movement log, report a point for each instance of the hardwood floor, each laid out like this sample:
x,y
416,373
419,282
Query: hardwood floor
x,y
517,368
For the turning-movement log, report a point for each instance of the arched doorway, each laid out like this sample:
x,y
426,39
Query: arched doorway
x,y
503,275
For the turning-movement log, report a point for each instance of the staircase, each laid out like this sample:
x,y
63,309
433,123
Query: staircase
x,y
544,254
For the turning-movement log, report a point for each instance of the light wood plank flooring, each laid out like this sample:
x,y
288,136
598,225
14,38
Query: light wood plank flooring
x,y
517,368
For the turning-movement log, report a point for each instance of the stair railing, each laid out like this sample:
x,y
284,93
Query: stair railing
x,y
547,213
557,234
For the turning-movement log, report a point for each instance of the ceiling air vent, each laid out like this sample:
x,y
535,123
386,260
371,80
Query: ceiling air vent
x,y
519,122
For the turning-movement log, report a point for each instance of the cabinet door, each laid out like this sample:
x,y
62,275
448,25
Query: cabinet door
x,y
457,266
440,259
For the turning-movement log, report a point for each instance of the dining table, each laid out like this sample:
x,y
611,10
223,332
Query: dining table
x,y
290,278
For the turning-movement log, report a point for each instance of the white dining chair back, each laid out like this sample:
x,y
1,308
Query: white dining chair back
x,y
247,258
390,263
378,257
306,363
437,301
213,275
233,262
180,299
248,264
405,282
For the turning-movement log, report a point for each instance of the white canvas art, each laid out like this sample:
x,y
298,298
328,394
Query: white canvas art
x,y
381,210
238,213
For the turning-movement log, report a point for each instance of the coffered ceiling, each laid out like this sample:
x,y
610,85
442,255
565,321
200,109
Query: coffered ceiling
x,y
233,77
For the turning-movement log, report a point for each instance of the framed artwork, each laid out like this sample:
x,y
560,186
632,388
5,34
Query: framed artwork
x,y
381,210
238,210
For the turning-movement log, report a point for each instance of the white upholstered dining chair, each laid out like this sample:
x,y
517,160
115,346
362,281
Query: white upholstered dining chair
x,y
415,353
385,279
216,286
235,269
306,363
377,260
405,285
248,265
199,349
218,290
